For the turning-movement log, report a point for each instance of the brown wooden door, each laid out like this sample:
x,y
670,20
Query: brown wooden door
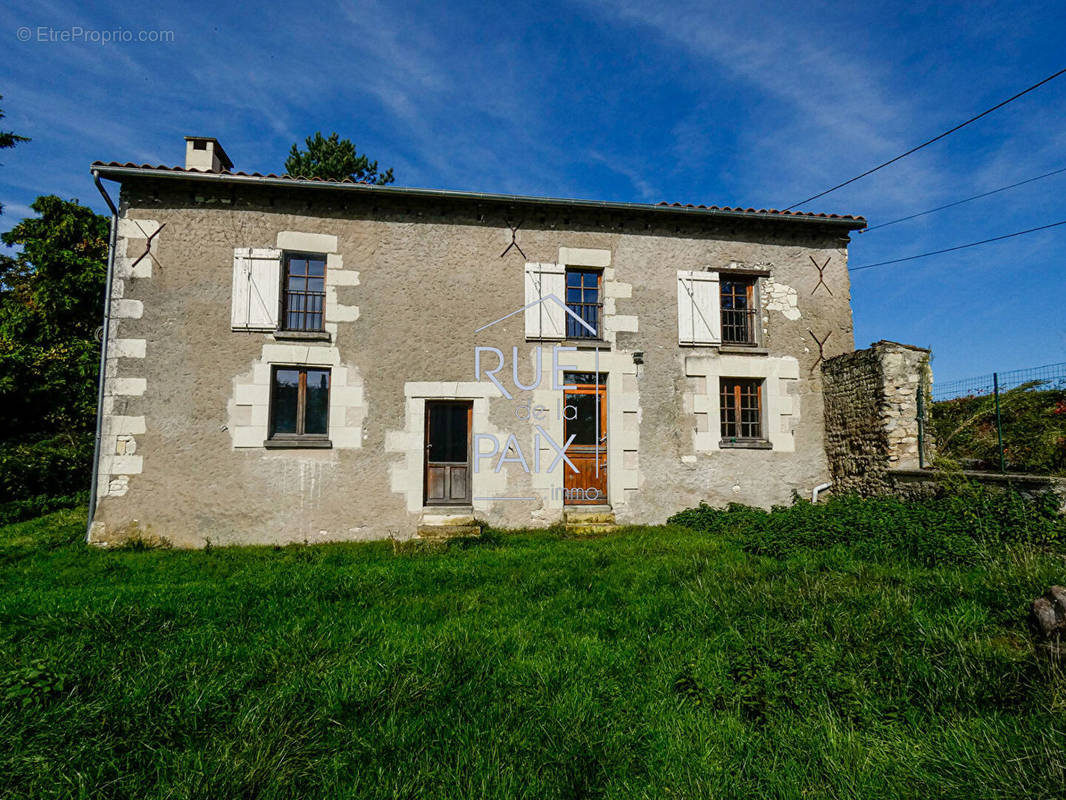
x,y
585,418
447,478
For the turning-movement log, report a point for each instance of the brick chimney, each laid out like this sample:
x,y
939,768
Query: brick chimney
x,y
205,154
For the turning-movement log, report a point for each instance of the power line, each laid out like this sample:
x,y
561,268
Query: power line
x,y
957,247
960,202
934,139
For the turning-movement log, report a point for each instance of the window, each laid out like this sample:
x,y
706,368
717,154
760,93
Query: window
x,y
738,311
304,292
299,407
583,299
741,409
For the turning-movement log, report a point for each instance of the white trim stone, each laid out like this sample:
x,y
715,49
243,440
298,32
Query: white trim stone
x,y
298,241
780,410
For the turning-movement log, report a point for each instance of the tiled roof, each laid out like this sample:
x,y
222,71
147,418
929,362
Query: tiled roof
x,y
739,210
855,221
164,168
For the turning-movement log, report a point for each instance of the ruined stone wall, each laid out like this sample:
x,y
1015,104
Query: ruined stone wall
x,y
872,415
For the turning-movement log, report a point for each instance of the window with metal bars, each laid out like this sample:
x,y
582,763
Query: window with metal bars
x,y
741,409
739,314
584,299
304,292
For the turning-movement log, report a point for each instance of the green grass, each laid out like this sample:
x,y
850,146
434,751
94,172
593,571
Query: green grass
x,y
656,662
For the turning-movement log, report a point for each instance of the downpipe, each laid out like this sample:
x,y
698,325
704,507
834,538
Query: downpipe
x,y
112,239
817,490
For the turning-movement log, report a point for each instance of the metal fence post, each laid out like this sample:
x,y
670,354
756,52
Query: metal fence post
x,y
921,427
999,423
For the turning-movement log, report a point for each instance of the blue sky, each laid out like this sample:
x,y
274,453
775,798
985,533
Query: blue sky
x,y
733,104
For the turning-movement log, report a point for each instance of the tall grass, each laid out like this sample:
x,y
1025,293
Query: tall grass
x,y
656,662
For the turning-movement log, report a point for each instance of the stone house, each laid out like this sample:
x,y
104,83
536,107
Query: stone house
x,y
304,360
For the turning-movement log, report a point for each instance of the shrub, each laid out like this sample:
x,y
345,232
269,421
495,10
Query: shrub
x,y
56,466
30,507
1034,429
952,529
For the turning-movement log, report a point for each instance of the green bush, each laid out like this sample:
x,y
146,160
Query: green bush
x,y
18,510
1034,430
56,466
953,529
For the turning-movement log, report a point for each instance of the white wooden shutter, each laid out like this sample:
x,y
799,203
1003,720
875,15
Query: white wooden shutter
x,y
545,301
256,283
699,319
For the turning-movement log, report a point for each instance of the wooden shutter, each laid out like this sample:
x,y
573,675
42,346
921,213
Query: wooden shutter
x,y
699,319
256,283
545,301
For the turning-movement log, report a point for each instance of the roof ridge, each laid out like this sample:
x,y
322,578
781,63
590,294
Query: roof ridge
x,y
349,181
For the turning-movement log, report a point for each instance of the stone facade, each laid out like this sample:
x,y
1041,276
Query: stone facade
x,y
415,282
872,415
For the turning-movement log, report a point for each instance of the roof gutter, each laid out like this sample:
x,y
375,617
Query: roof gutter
x,y
103,351
117,173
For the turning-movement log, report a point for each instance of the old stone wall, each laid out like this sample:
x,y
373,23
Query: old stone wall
x,y
872,415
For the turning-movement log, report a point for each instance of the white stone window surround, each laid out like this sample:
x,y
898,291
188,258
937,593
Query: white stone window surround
x,y
248,411
322,244
407,475
623,425
623,435
612,290
780,405
249,408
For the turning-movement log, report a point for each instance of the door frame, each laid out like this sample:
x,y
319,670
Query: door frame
x,y
469,405
600,449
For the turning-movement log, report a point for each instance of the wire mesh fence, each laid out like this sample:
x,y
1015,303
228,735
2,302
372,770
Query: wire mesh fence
x,y
1050,376
1007,421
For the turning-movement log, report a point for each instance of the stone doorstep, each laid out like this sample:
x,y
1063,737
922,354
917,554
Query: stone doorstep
x,y
447,523
589,519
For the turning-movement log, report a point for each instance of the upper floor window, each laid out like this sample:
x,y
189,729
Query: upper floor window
x,y
304,292
741,409
584,299
739,314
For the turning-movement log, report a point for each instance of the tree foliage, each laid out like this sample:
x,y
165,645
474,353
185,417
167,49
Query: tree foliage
x,y
50,307
334,159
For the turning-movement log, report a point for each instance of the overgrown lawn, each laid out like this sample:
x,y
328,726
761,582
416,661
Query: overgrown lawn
x,y
655,662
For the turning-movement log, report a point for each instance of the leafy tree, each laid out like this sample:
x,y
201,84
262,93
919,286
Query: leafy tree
x,y
8,139
334,159
50,301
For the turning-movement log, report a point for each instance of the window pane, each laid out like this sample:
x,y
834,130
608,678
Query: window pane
x,y
573,278
584,424
316,416
316,268
448,435
297,266
584,378
315,285
284,402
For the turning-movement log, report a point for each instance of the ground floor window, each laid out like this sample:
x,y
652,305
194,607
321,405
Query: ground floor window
x,y
299,404
741,409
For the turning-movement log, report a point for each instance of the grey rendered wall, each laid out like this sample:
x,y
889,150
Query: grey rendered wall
x,y
426,275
